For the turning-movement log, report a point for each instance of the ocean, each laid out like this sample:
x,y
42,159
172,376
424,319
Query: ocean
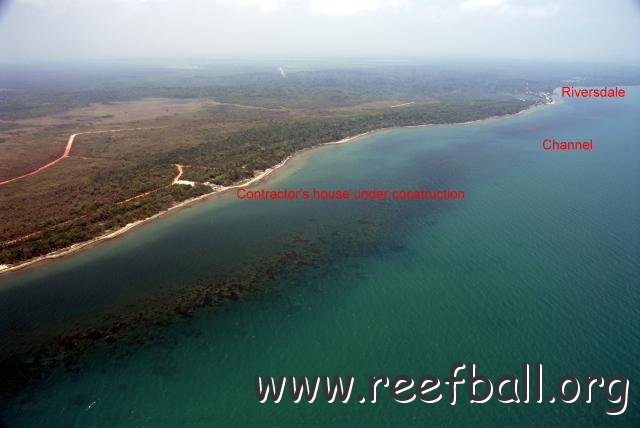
x,y
539,263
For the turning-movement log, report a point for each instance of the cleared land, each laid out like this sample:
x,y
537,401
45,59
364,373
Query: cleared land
x,y
97,114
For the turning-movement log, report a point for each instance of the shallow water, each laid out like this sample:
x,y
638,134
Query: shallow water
x,y
539,263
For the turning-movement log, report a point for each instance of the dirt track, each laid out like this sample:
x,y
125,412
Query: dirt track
x,y
66,152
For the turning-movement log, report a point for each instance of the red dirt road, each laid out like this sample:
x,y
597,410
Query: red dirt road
x,y
175,180
66,152
67,149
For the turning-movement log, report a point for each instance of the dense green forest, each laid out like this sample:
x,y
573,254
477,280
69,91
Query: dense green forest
x,y
227,158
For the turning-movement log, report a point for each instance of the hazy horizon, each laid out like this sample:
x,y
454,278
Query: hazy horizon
x,y
148,30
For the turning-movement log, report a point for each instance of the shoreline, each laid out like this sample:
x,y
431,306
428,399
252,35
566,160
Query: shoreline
x,y
74,248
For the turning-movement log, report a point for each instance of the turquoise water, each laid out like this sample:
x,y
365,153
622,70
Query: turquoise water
x,y
539,263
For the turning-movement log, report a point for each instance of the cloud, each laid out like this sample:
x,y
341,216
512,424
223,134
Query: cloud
x,y
480,5
344,8
320,7
40,3
261,5
510,8
352,7
76,3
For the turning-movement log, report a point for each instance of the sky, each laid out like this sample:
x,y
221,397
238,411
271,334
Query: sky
x,y
557,30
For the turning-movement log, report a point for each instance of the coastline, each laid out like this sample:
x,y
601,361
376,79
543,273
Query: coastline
x,y
7,269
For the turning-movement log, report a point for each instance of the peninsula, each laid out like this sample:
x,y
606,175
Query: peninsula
x,y
95,164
